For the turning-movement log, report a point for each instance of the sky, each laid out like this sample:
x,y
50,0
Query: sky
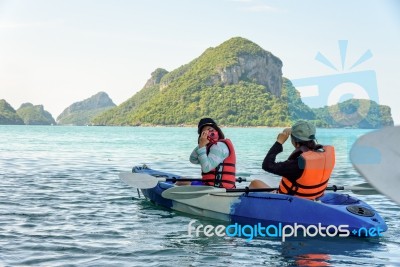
x,y
54,53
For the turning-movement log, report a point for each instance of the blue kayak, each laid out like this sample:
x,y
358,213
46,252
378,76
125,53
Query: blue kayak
x,y
332,212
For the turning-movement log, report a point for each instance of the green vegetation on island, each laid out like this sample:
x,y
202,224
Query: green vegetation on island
x,y
237,83
355,113
8,115
211,85
81,113
35,115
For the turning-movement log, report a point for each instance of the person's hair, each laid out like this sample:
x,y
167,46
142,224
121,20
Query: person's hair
x,y
220,133
311,144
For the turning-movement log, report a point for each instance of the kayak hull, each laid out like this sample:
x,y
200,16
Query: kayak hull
x,y
329,212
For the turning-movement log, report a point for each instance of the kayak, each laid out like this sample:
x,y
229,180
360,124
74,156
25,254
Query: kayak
x,y
332,212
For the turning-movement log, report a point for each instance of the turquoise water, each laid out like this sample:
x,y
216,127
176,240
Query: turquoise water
x,y
62,203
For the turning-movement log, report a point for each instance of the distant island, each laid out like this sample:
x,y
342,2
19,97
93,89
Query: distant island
x,y
27,114
8,115
81,113
35,115
237,83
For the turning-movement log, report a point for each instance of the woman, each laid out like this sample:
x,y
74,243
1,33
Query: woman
x,y
307,170
215,154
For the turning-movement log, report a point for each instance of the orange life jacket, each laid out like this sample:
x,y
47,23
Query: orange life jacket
x,y
313,181
224,175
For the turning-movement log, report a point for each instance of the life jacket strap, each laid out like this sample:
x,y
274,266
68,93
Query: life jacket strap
x,y
293,190
214,172
222,181
312,186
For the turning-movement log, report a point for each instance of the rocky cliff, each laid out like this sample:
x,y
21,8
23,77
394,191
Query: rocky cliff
x,y
244,61
264,69
156,77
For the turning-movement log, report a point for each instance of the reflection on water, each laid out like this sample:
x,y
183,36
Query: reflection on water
x,y
331,251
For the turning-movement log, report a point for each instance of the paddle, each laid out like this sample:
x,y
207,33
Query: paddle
x,y
376,156
146,181
187,192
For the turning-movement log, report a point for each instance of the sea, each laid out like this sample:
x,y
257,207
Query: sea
x,y
63,204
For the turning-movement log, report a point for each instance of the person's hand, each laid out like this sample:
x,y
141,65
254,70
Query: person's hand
x,y
287,130
283,136
203,140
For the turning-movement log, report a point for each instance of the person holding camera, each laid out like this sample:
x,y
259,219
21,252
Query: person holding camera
x,y
307,170
215,154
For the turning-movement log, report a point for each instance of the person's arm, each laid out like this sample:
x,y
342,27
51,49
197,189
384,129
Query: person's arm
x,y
203,141
218,153
289,168
194,158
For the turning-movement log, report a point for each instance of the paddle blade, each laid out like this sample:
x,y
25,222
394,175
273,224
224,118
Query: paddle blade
x,y
187,192
363,189
375,156
138,180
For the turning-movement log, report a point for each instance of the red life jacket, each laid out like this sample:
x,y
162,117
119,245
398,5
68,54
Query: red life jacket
x,y
224,175
315,177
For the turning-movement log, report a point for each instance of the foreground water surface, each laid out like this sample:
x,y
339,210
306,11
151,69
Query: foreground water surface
x,y
62,203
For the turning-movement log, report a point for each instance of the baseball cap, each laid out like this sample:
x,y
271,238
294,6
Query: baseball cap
x,y
303,130
206,121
